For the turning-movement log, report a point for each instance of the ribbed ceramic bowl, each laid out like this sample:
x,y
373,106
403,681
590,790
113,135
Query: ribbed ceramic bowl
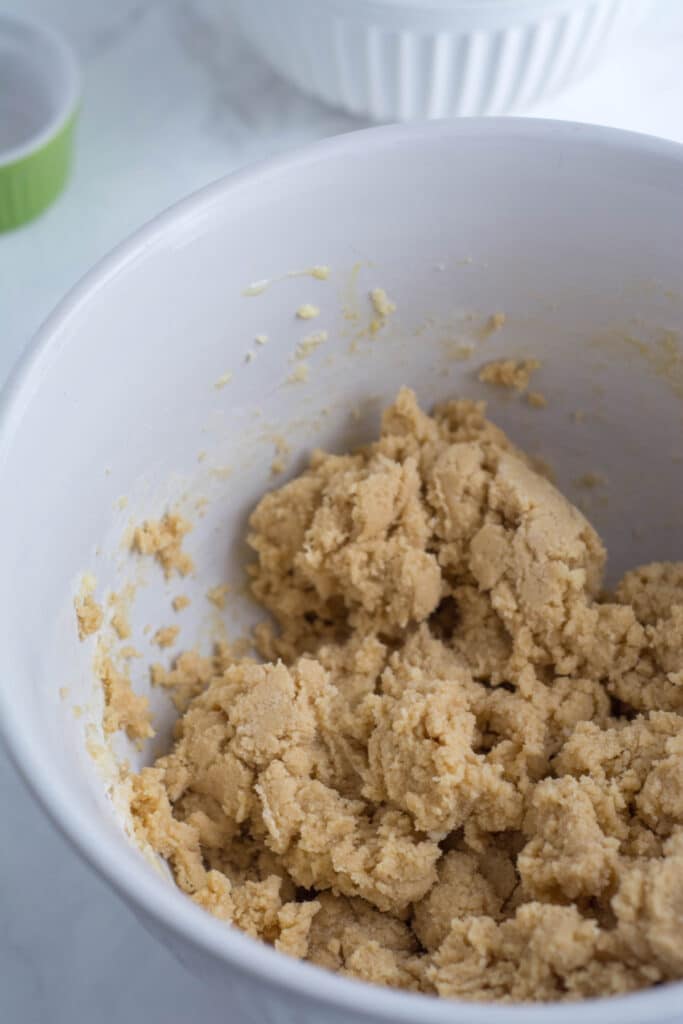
x,y
569,230
404,59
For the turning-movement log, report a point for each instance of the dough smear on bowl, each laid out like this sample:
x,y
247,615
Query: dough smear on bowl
x,y
459,769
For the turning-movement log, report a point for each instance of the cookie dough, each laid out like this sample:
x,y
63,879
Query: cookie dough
x,y
89,613
459,769
166,636
509,373
123,708
163,538
381,302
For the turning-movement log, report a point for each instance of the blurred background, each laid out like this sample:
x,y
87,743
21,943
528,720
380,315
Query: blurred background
x,y
174,96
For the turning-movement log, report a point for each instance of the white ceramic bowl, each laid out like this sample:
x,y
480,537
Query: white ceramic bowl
x,y
579,242
404,59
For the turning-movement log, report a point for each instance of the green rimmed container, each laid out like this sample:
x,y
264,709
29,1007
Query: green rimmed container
x,y
40,92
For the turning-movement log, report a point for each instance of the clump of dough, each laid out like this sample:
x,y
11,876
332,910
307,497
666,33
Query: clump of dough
x,y
218,595
509,373
123,708
307,311
163,538
537,400
459,769
89,613
166,636
381,302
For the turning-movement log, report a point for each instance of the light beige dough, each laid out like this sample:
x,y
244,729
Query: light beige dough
x,y
459,769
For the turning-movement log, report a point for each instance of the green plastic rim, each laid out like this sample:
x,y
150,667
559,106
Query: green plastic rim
x,y
31,183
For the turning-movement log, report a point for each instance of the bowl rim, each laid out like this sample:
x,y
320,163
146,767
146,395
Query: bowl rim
x,y
140,887
457,7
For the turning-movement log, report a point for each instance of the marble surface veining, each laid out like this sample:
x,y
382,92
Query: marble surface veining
x,y
174,99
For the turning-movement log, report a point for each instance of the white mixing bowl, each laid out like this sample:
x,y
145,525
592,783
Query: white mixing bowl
x,y
576,233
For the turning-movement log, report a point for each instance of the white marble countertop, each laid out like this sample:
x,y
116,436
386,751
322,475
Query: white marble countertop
x,y
174,99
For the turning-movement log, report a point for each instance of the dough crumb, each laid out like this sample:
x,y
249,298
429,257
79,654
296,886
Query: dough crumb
x,y
261,339
89,615
223,380
299,374
120,606
495,322
321,272
307,311
282,450
381,302
309,344
590,480
163,538
537,400
123,708
218,595
180,602
256,288
121,624
166,636
458,351
509,373
128,651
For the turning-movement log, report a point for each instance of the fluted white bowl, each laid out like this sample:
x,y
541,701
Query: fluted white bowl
x,y
405,59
